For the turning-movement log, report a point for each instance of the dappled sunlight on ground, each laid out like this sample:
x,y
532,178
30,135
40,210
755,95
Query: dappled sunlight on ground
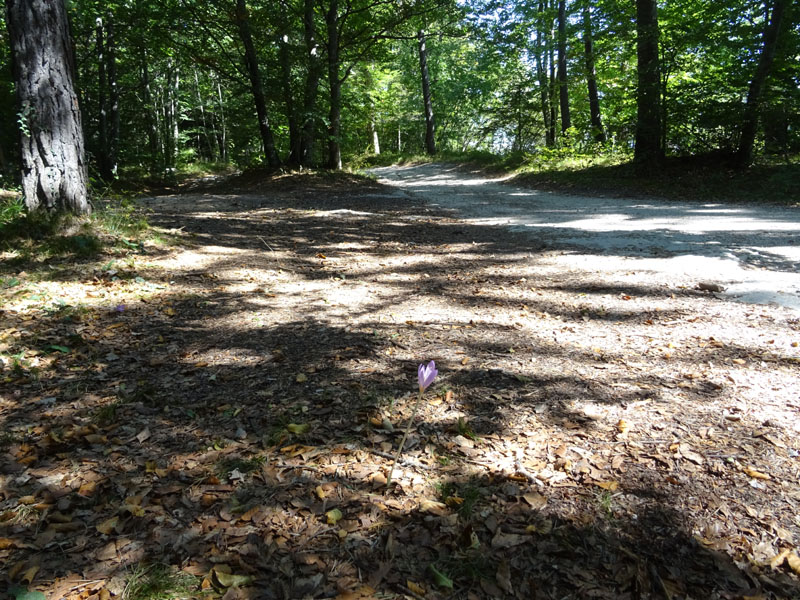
x,y
596,430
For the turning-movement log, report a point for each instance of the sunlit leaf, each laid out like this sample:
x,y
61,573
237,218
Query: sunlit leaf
x,y
333,516
611,486
751,472
298,428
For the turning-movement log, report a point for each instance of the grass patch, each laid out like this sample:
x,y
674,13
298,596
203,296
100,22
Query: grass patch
x,y
462,497
159,582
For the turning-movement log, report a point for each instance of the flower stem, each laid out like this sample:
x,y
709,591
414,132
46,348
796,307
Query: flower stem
x,y
403,441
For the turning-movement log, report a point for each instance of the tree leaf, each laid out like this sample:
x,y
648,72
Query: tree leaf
x,y
19,593
440,578
333,516
298,428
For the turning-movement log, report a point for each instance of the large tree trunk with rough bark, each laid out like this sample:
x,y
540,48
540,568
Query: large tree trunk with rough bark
x,y
251,60
647,153
52,151
430,125
541,73
752,111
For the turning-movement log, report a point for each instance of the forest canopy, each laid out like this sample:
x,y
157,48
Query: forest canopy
x,y
166,83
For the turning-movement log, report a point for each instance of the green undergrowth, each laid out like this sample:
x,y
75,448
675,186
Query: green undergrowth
x,y
115,226
159,582
679,178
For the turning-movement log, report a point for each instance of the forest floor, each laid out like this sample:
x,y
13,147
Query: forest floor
x,y
216,418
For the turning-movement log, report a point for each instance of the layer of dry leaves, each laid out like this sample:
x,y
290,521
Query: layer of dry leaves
x,y
230,407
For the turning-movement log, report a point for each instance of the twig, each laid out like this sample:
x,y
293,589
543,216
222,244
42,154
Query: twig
x,y
402,459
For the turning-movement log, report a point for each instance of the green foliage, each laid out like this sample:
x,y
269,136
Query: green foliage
x,y
188,113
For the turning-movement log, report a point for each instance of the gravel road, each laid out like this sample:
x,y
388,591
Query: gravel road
x,y
750,253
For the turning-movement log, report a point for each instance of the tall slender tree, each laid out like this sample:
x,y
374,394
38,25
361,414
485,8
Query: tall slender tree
x,y
253,72
430,126
744,153
563,90
52,151
598,132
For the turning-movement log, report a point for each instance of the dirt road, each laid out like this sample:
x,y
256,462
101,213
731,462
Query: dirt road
x,y
752,252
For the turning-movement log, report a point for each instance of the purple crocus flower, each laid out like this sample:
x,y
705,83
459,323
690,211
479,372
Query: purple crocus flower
x,y
426,374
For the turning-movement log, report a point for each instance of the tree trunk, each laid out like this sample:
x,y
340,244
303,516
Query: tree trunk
x,y
151,113
113,98
313,75
223,139
647,153
201,105
541,74
752,110
563,92
335,84
52,152
102,111
286,74
171,116
591,78
251,60
552,79
430,126
376,143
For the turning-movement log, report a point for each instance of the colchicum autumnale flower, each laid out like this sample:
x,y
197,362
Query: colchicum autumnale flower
x,y
425,376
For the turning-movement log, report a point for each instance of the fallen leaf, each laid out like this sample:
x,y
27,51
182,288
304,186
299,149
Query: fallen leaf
x,y
535,500
507,540
751,472
432,506
611,486
779,559
333,516
301,378
298,428
503,577
107,526
416,588
19,593
440,578
225,579
794,562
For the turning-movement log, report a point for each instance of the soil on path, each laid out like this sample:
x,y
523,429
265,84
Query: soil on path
x,y
751,253
230,408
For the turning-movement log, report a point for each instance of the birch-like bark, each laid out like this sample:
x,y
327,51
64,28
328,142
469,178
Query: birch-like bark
x,y
430,125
